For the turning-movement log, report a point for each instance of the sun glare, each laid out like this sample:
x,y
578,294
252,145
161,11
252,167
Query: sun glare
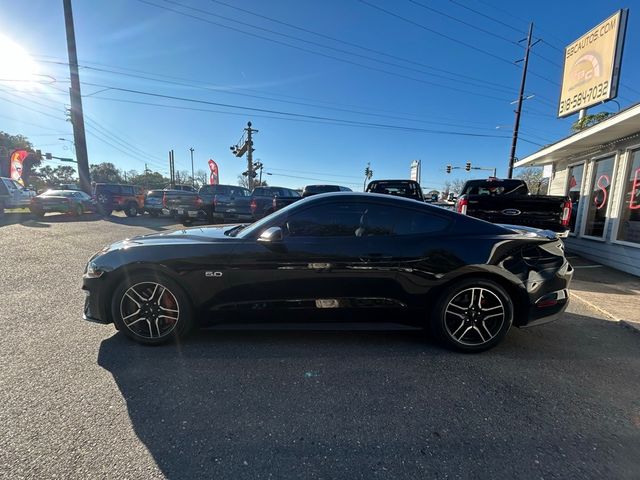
x,y
17,68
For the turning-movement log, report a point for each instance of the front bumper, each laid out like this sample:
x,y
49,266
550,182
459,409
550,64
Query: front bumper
x,y
94,307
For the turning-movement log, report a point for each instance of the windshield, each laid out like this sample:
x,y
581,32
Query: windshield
x,y
502,187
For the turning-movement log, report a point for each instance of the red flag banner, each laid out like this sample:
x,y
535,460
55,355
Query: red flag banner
x,y
16,163
213,174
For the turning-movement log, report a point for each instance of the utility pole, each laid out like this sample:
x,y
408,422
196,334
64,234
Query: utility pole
x,y
193,180
77,116
516,126
172,178
250,173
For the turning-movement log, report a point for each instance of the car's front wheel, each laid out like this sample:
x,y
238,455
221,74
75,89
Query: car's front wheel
x,y
473,315
151,309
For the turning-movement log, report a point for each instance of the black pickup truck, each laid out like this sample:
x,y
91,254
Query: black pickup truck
x,y
212,203
266,200
222,203
509,202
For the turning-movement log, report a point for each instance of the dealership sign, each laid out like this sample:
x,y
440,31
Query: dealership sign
x,y
592,66
16,163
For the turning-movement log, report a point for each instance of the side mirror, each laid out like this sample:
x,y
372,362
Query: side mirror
x,y
270,235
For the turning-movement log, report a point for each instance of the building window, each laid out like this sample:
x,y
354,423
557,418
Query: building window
x,y
599,197
629,229
575,185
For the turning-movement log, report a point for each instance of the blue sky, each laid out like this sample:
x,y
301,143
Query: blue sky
x,y
399,83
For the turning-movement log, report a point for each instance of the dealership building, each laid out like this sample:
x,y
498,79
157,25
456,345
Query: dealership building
x,y
599,169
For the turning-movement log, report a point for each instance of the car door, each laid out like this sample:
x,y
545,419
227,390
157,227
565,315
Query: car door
x,y
414,243
319,261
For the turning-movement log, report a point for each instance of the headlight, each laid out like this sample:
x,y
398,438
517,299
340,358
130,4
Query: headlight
x,y
93,271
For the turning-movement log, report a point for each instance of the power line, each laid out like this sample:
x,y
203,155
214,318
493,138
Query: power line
x,y
345,42
487,16
314,173
435,32
471,25
394,117
332,57
292,114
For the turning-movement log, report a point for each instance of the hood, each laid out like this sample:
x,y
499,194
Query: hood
x,y
530,231
185,235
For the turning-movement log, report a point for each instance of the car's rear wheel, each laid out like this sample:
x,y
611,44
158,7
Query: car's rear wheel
x,y
153,213
474,315
151,309
131,210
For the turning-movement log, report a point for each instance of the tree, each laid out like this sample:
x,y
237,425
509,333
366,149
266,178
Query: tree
x,y
243,181
150,180
105,172
201,178
533,178
589,120
455,186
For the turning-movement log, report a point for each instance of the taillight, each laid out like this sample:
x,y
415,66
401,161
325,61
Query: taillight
x,y
274,203
461,206
566,213
253,206
200,202
164,200
215,201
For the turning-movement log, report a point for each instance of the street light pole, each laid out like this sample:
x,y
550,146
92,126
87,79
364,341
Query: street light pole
x,y
193,181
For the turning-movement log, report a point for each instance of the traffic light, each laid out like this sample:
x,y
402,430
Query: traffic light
x,y
38,154
448,168
468,167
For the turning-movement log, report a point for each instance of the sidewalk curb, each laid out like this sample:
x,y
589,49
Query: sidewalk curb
x,y
625,323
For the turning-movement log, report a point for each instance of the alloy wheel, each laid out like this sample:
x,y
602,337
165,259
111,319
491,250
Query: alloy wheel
x,y
474,316
149,310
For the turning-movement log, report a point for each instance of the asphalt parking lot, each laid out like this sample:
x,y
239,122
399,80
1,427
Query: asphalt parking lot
x,y
79,400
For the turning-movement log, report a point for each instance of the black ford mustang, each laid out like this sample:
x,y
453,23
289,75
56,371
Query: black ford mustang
x,y
466,279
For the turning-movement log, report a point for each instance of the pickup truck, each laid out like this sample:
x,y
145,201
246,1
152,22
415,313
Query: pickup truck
x,y
212,203
508,202
266,200
14,195
399,188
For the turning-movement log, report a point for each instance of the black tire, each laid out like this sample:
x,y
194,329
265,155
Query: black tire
x,y
187,222
131,210
153,214
1,208
157,330
77,211
105,205
462,323
37,212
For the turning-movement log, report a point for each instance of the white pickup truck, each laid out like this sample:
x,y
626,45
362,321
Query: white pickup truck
x,y
14,195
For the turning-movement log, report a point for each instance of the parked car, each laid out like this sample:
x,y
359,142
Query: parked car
x,y
466,279
212,203
182,188
399,188
14,195
157,202
266,200
73,202
316,189
508,201
113,196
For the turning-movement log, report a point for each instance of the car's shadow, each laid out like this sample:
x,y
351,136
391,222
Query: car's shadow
x,y
351,404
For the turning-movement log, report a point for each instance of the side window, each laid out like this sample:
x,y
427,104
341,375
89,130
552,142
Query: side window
x,y
126,190
331,220
388,220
